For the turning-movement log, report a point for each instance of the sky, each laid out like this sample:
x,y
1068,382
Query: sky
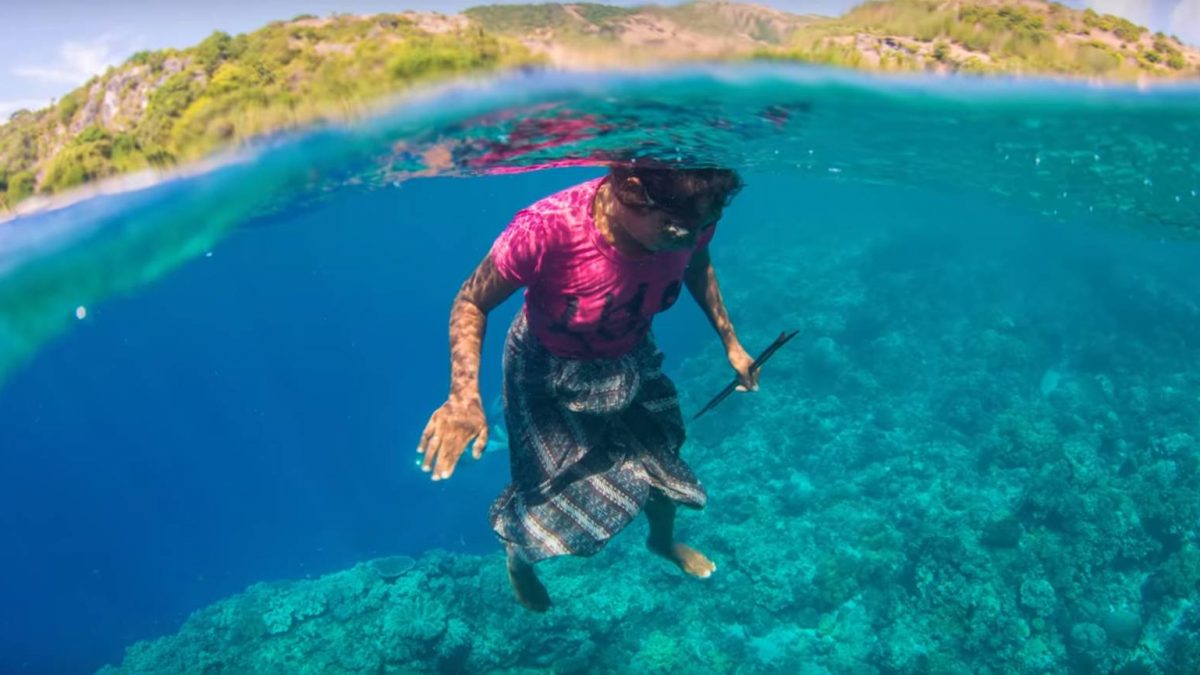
x,y
49,47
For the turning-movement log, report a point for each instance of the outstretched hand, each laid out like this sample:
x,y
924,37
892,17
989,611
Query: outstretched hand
x,y
742,363
451,427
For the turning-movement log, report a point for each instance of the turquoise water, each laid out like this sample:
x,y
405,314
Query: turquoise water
x,y
979,455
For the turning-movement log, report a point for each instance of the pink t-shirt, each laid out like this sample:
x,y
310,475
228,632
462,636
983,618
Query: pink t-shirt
x,y
584,298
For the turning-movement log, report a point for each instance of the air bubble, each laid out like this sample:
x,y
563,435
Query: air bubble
x,y
81,312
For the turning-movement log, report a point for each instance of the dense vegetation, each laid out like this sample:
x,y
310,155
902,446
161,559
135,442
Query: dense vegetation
x,y
989,36
579,24
160,108
525,19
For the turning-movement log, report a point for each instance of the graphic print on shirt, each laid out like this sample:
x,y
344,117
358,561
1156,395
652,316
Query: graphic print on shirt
x,y
616,322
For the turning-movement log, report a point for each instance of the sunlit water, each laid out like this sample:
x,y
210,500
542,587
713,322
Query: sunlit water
x,y
980,452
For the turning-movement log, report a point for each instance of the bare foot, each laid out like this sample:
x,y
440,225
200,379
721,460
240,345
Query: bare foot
x,y
530,591
689,559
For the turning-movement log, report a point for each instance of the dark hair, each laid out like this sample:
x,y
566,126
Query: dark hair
x,y
684,192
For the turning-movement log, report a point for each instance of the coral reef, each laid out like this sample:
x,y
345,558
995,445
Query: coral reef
x,y
908,493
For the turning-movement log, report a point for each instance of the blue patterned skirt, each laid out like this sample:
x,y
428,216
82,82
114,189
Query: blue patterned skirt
x,y
588,440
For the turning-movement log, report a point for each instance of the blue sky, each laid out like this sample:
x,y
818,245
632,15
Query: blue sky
x,y
48,47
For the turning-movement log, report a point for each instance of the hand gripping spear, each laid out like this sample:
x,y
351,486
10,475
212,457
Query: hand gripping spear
x,y
762,358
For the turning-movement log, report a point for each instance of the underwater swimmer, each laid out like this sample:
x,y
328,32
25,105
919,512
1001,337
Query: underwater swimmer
x,y
594,426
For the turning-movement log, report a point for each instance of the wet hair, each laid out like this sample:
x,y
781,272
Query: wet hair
x,y
689,193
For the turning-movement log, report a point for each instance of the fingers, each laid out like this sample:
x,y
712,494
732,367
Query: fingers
x,y
426,436
431,452
480,443
444,441
431,442
444,466
452,448
748,381
448,455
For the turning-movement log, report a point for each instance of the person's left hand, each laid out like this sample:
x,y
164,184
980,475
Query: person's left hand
x,y
741,362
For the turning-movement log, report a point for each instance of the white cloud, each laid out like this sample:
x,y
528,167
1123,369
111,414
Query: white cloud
x,y
1140,12
1185,21
77,61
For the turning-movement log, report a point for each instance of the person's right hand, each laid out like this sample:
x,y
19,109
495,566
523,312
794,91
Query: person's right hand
x,y
450,429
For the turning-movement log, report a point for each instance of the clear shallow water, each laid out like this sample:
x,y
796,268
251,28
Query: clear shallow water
x,y
994,286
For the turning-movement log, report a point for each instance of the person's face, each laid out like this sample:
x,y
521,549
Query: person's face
x,y
658,229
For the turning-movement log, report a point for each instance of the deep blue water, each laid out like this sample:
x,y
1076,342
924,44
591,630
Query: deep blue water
x,y
254,415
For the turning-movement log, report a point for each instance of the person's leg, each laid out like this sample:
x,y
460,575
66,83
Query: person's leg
x,y
530,591
660,511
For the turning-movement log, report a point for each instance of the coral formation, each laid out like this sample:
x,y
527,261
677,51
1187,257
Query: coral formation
x,y
904,495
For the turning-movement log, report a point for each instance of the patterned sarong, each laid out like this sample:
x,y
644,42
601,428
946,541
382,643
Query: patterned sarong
x,y
588,440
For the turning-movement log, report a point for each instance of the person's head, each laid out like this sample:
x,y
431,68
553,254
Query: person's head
x,y
667,208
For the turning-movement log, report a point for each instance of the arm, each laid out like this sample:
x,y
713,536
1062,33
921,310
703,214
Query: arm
x,y
701,281
461,419
482,292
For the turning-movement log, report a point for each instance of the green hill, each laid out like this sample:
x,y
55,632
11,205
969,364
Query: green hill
x,y
992,36
161,108
1029,37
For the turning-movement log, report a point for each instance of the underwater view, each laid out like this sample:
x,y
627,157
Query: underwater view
x,y
980,453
